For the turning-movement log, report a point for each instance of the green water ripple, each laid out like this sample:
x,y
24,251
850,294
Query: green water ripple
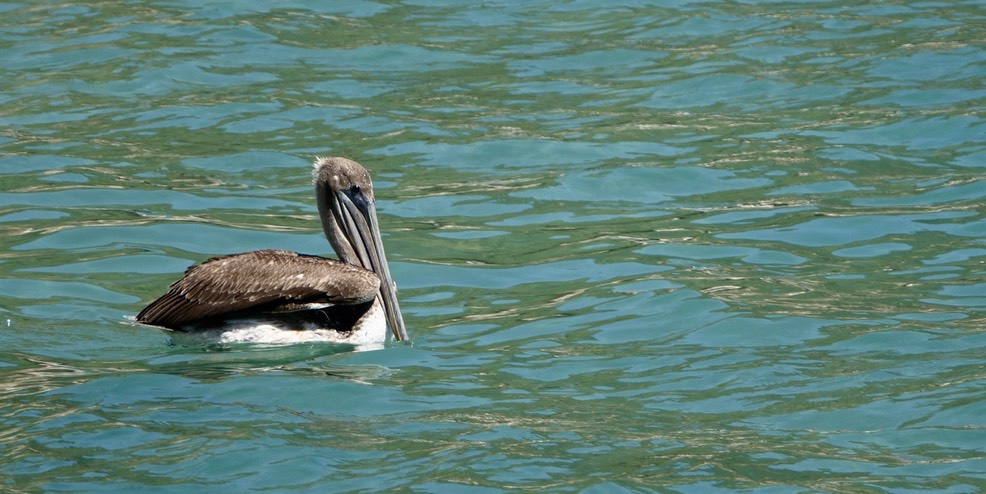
x,y
688,247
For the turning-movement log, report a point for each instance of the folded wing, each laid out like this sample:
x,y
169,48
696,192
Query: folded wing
x,y
263,280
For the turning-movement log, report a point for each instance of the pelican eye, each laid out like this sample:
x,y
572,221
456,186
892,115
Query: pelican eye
x,y
358,197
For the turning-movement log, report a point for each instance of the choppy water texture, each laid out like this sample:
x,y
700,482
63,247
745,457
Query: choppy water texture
x,y
683,247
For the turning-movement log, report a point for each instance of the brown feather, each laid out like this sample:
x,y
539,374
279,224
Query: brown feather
x,y
263,280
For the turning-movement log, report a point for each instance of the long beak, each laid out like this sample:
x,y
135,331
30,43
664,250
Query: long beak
x,y
359,224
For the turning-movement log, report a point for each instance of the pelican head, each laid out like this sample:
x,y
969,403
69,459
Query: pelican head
x,y
344,194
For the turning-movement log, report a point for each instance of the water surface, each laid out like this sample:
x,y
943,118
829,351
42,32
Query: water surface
x,y
687,247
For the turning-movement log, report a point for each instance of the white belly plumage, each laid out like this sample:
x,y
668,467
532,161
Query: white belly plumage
x,y
370,334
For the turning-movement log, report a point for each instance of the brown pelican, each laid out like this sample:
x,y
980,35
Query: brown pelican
x,y
278,296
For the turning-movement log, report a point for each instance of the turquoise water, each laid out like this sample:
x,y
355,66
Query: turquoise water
x,y
685,247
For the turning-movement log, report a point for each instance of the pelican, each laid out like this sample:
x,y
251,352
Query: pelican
x,y
278,296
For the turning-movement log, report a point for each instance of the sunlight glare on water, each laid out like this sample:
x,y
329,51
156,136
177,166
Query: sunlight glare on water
x,y
685,247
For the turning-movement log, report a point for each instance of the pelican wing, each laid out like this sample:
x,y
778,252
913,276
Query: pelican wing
x,y
268,280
